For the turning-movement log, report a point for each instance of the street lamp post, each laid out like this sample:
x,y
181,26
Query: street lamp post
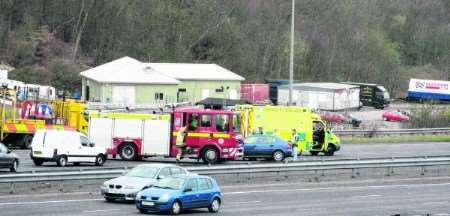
x,y
291,61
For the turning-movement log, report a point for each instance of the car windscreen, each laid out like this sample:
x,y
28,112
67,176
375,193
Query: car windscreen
x,y
143,172
170,183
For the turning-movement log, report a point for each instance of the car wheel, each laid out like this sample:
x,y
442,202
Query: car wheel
x,y
109,199
128,152
210,155
143,211
214,206
176,208
99,160
278,156
314,153
38,162
14,166
62,161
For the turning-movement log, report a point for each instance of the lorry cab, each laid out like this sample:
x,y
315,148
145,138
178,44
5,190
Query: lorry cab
x,y
212,135
372,95
65,147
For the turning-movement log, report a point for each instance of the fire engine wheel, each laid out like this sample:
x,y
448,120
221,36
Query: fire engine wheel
x,y
62,161
210,155
128,152
314,153
278,156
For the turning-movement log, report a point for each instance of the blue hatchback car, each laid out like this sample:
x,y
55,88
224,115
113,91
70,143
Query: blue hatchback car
x,y
176,193
266,146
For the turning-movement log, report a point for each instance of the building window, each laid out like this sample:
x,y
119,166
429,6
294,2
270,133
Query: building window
x,y
159,96
219,90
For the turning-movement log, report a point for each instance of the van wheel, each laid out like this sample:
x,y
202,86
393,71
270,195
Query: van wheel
x,y
62,161
99,160
128,152
14,166
278,156
38,162
314,153
330,151
210,155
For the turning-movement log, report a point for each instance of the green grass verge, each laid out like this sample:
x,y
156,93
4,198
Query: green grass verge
x,y
396,139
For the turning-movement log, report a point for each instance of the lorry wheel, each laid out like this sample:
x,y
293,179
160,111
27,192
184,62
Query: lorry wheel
x,y
314,153
38,162
99,160
62,161
330,150
210,155
26,141
278,156
128,152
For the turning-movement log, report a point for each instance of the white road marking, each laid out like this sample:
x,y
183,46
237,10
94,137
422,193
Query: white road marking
x,y
332,188
436,203
101,210
238,203
366,196
47,202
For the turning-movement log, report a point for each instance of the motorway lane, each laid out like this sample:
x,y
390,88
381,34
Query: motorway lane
x,y
348,151
403,197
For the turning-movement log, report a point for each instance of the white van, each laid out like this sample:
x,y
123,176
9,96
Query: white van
x,y
65,147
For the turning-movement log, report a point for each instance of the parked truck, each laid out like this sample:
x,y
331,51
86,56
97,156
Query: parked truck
x,y
422,90
255,93
314,135
372,95
214,136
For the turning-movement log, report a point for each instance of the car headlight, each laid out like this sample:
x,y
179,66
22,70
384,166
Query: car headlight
x,y
164,198
105,185
138,196
129,187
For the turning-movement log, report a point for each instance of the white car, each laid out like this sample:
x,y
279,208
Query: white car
x,y
140,177
65,147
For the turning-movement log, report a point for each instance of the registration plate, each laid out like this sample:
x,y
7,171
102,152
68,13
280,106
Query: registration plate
x,y
148,203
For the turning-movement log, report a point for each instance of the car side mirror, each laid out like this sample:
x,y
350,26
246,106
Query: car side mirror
x,y
160,177
187,190
91,144
8,151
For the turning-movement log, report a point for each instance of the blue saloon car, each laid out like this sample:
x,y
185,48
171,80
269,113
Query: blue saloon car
x,y
176,193
266,146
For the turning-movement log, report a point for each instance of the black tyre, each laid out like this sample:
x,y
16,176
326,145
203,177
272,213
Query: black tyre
x,y
176,208
62,161
100,160
214,206
330,151
128,152
210,155
109,199
26,141
38,162
278,155
143,211
14,166
314,153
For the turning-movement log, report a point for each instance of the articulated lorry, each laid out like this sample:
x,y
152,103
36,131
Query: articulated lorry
x,y
315,137
422,90
212,135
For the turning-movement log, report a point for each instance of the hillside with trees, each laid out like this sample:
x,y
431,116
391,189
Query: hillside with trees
x,y
380,41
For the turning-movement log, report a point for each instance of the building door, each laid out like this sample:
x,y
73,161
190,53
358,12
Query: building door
x,y
86,93
181,95
123,95
233,94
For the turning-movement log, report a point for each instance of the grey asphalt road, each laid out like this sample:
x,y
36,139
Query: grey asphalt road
x,y
348,151
389,197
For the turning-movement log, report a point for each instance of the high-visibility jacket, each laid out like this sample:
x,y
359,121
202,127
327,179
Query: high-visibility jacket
x,y
180,138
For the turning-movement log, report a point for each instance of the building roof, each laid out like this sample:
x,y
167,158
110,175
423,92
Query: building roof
x,y
132,71
187,71
127,70
320,85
